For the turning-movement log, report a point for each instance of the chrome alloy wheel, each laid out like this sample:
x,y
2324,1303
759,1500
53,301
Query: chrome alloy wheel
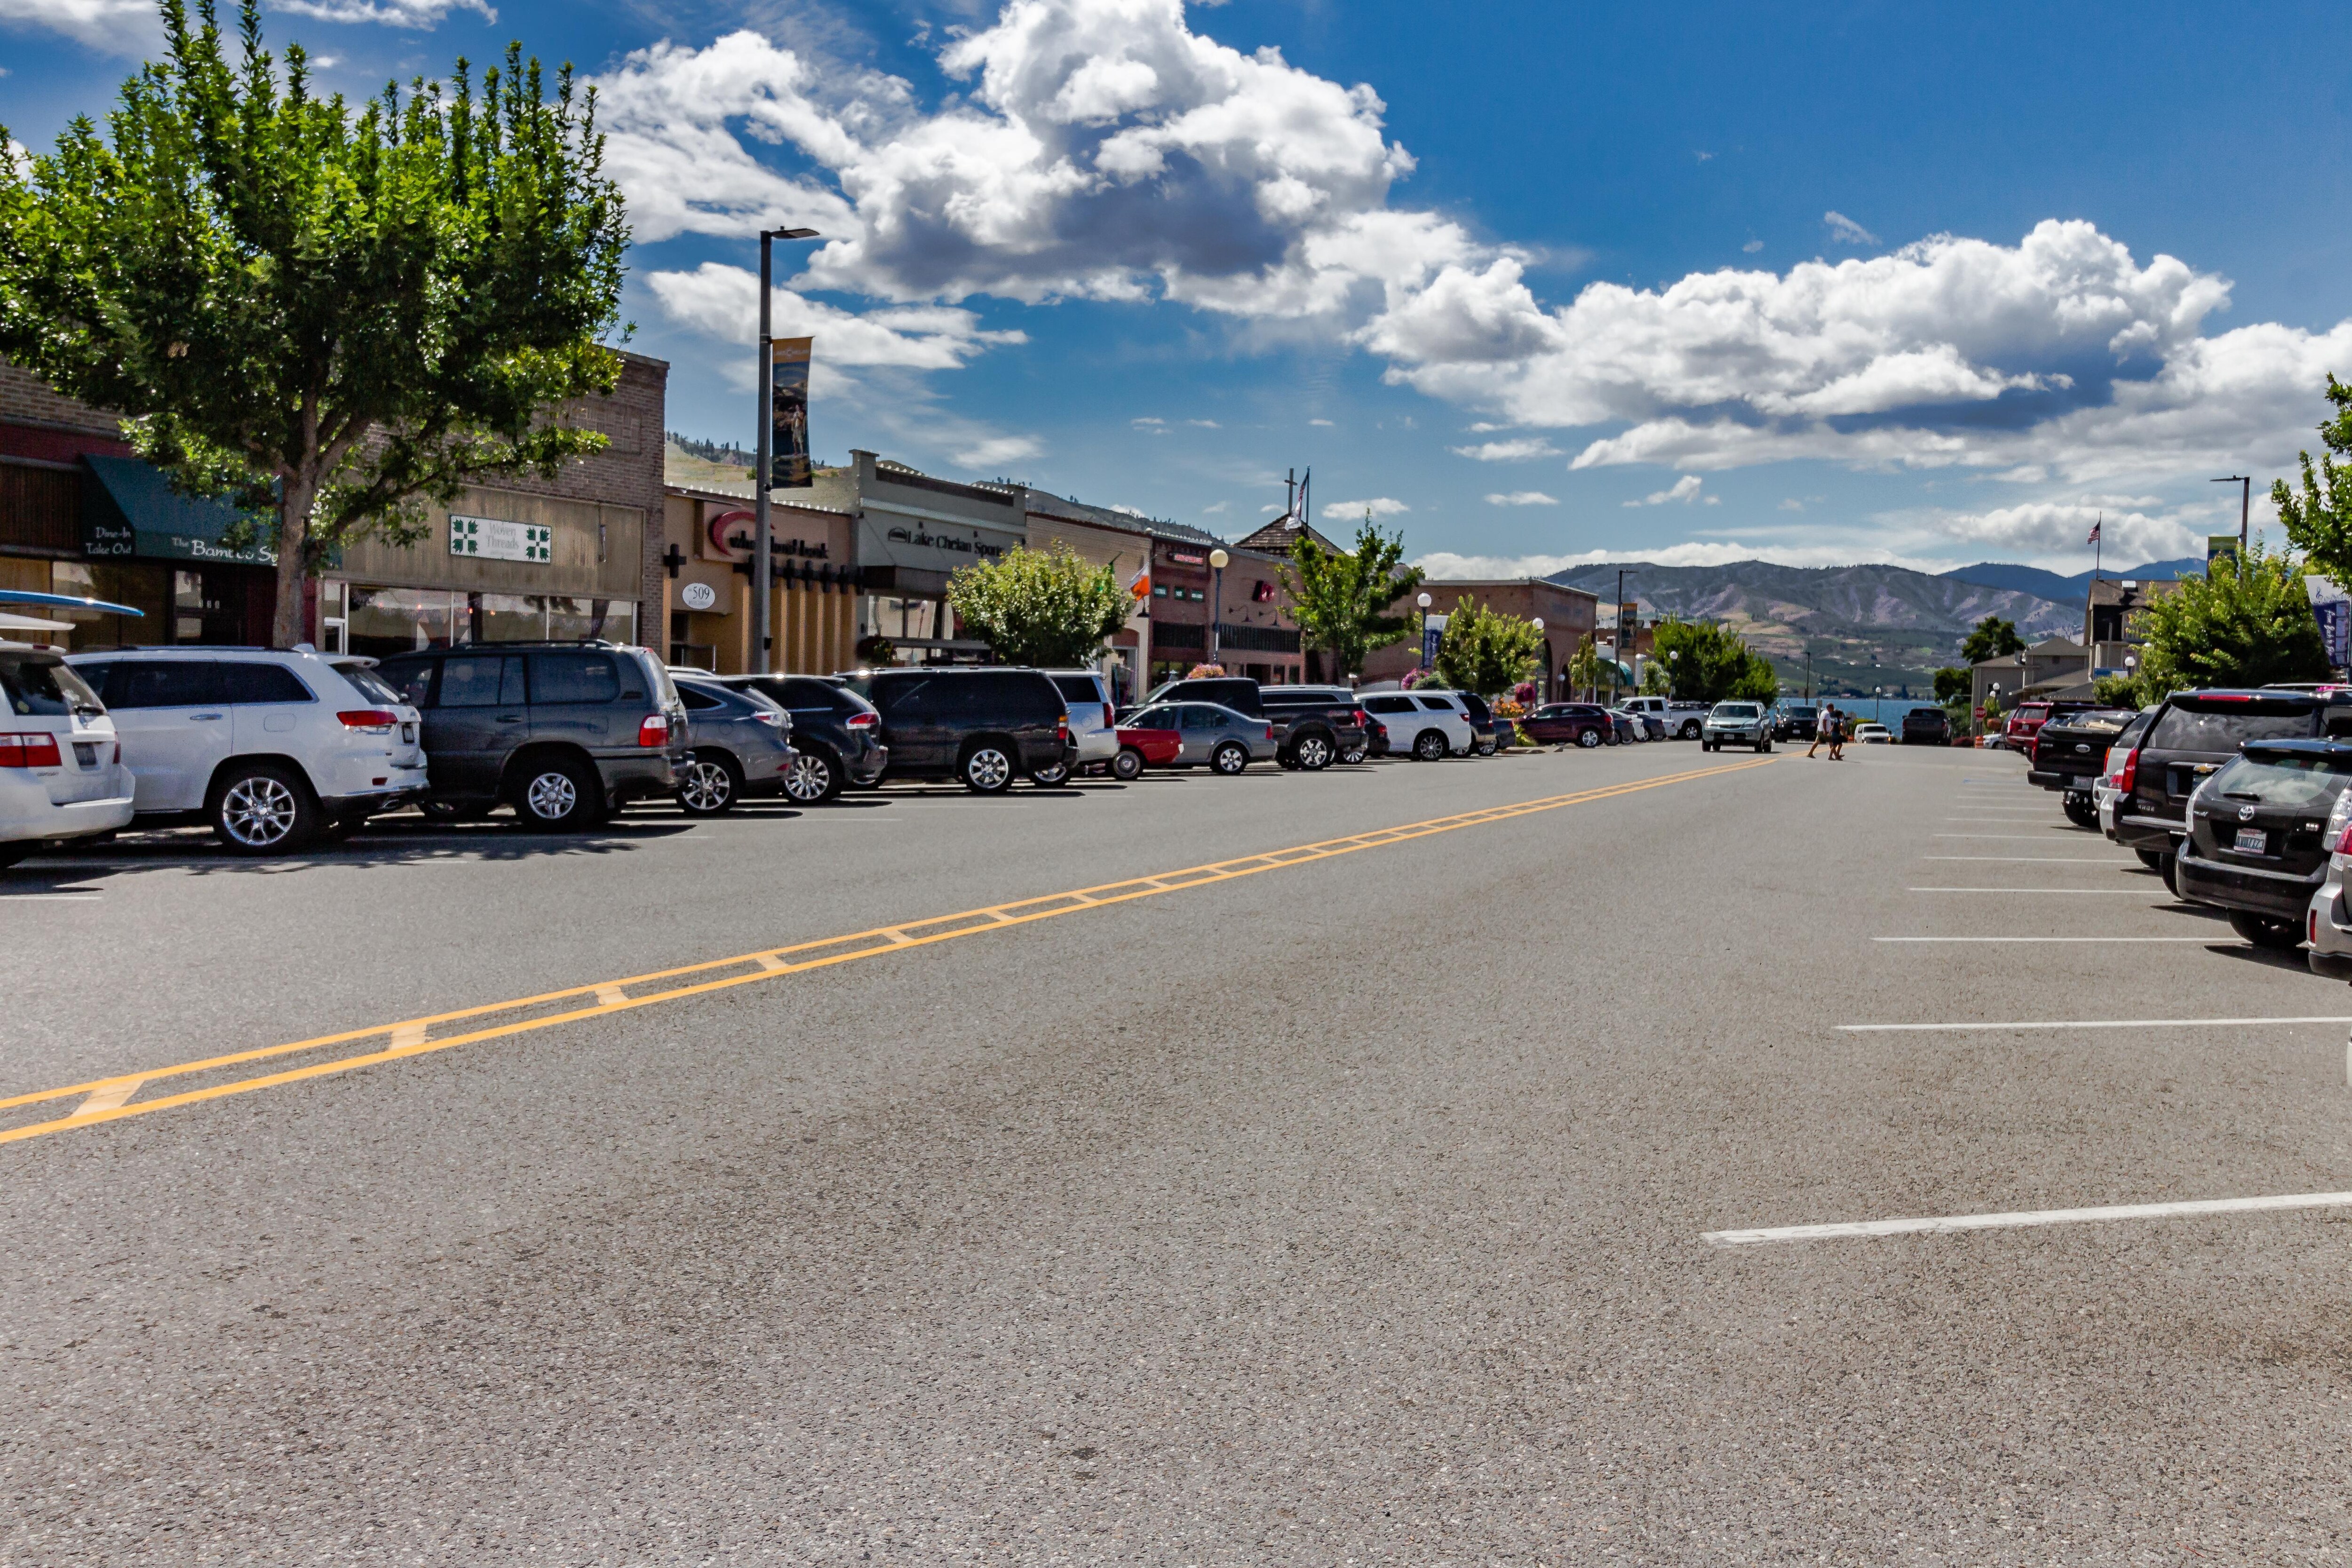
x,y
809,779
988,770
260,812
552,796
709,787
1314,753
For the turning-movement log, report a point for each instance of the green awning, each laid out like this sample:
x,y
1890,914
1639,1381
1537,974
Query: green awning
x,y
133,511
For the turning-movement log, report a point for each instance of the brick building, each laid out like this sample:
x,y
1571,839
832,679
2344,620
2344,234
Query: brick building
x,y
1570,615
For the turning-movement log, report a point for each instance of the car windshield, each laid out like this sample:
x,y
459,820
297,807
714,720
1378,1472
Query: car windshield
x,y
42,685
368,684
2228,729
1734,710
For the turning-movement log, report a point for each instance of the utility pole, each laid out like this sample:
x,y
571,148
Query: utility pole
x,y
762,640
2245,505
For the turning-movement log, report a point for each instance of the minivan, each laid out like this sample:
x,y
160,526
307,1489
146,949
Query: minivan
x,y
986,726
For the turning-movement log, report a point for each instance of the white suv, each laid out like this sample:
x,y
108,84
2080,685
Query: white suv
x,y
1429,725
61,773
267,748
1093,722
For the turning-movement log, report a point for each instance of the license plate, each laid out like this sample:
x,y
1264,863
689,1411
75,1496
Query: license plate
x,y
2252,842
408,732
86,753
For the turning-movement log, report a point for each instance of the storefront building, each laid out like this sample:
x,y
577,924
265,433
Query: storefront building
x,y
813,600
1570,615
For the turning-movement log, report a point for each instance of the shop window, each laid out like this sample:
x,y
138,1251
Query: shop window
x,y
587,619
380,621
505,618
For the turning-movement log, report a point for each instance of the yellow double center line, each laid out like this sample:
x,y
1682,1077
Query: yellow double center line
x,y
110,1099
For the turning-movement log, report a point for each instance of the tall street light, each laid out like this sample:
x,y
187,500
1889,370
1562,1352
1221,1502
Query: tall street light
x,y
1542,690
762,642
1218,561
2245,504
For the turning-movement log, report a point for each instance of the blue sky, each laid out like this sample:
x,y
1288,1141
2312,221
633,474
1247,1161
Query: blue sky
x,y
1535,284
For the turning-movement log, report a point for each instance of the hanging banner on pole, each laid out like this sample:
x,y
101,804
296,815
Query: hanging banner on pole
x,y
788,378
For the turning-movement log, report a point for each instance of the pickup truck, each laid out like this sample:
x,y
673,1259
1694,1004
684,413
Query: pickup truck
x,y
2069,753
1682,721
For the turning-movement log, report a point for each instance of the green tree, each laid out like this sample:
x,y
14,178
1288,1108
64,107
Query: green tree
x,y
1486,652
1709,664
325,315
1658,679
1584,666
1759,681
2319,521
1340,599
1992,639
1046,607
1953,685
2244,624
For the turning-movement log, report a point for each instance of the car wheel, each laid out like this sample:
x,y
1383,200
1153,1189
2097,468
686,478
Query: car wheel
x,y
1052,773
1315,753
1355,755
1765,744
1230,757
1429,747
714,783
2150,859
987,769
1690,729
1487,748
1588,738
558,793
2170,866
1128,766
2267,931
262,808
2081,813
811,778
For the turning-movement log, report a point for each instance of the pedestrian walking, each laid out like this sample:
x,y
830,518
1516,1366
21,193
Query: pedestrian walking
x,y
1822,717
1837,738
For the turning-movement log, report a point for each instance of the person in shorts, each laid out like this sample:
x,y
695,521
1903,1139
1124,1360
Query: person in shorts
x,y
1821,720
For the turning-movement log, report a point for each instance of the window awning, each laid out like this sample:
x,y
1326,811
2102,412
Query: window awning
x,y
133,511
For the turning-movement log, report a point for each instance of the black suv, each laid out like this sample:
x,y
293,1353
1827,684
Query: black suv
x,y
1796,721
2257,843
2192,735
985,726
1926,727
836,732
1315,726
564,732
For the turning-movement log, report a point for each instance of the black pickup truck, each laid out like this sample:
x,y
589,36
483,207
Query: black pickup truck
x,y
1314,726
2192,735
2070,751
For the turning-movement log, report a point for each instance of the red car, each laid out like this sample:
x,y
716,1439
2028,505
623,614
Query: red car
x,y
1139,748
2025,722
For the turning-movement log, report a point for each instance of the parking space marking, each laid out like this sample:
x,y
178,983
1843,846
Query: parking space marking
x,y
2006,838
2048,939
2039,860
1946,1224
51,897
2068,1023
2068,892
413,1037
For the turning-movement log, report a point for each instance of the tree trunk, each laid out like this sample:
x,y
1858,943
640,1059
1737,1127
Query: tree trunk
x,y
298,493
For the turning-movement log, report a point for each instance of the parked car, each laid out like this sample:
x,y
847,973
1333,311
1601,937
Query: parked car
x,y
2327,921
2191,735
1586,725
1745,724
2069,754
1685,721
2026,719
985,726
1376,742
739,742
1926,727
61,772
2107,788
1210,734
1647,727
2256,843
1156,745
1093,720
836,734
1315,726
1237,692
1492,733
1794,720
564,732
1427,727
1873,734
270,749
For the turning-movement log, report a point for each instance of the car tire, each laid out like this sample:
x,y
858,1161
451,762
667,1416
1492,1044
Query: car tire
x,y
1429,745
2267,931
714,783
558,794
1128,766
1230,757
1765,744
1314,752
1355,756
1052,773
2170,868
11,853
2082,813
987,768
1586,739
2152,859
813,778
1690,729
1487,747
262,808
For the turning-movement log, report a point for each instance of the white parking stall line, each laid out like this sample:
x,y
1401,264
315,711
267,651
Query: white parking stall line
x,y
2048,938
2077,1023
2070,892
2037,860
50,897
2009,838
1946,1224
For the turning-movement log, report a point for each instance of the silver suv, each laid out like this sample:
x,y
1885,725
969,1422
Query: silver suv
x,y
1748,723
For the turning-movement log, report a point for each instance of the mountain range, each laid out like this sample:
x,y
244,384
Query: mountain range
x,y
2075,590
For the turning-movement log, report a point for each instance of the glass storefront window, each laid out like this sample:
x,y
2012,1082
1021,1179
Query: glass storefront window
x,y
571,620
380,621
505,618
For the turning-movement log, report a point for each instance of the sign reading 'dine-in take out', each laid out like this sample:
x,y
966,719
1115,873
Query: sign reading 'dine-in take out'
x,y
493,540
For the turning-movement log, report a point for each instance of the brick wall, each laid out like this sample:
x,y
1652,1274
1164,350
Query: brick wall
x,y
25,399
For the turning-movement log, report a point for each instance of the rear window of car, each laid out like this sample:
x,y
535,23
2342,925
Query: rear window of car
x,y
413,679
2181,728
2303,783
1078,688
250,682
568,677
695,699
1437,704
1388,705
368,684
42,687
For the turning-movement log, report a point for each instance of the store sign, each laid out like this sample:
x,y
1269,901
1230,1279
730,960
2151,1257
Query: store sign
x,y
489,539
698,596
923,537
1189,560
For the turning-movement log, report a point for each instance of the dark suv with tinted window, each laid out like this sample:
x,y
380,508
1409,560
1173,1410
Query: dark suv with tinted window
x,y
564,732
985,726
835,733
2257,843
2192,735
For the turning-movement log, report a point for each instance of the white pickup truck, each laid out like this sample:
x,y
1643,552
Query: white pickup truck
x,y
1682,721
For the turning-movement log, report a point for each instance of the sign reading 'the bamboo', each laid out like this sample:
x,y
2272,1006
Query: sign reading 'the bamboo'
x,y
492,538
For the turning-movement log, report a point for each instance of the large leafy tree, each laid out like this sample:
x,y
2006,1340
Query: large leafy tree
x,y
1992,638
1484,651
1039,607
2319,521
1707,663
1340,599
326,314
2244,624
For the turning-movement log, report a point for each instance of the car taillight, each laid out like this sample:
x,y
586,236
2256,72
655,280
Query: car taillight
x,y
1269,732
654,730
2128,774
36,750
118,752
862,721
1361,718
371,720
767,716
1061,728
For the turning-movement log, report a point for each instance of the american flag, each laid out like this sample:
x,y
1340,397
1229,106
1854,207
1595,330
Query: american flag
x,y
2095,532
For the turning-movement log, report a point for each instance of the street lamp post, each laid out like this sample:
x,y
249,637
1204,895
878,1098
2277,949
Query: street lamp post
x,y
1422,662
1544,690
762,640
1218,561
2245,505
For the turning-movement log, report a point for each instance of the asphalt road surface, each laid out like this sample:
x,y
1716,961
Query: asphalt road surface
x,y
1245,1183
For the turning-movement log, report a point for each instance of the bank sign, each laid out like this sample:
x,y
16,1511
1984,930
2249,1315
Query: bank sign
x,y
491,539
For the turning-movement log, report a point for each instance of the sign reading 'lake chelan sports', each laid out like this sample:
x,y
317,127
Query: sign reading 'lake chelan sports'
x,y
493,540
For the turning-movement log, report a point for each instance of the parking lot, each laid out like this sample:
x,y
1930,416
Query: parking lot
x,y
1405,1163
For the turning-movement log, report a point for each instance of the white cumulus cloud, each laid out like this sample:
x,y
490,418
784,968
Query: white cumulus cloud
x,y
125,27
723,302
1685,489
392,13
1845,231
1379,507
1517,450
1521,498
